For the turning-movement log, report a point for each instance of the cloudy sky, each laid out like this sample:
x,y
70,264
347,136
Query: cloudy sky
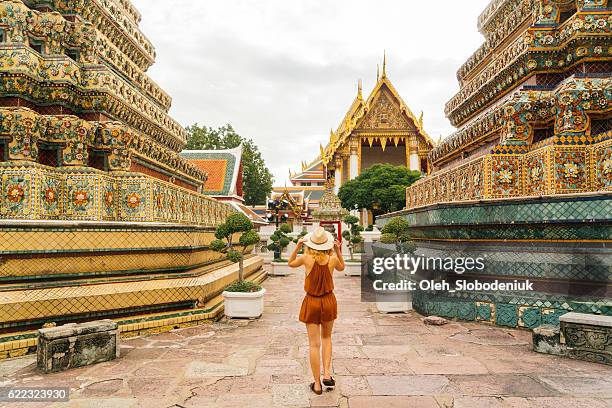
x,y
283,72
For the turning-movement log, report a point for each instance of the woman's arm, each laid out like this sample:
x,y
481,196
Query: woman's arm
x,y
338,249
294,260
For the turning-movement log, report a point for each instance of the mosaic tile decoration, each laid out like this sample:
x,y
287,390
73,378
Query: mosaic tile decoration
x,y
544,171
36,192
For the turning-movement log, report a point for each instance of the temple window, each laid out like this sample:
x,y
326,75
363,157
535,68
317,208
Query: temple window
x,y
73,54
306,184
37,45
542,134
600,125
49,154
2,36
97,159
3,150
565,15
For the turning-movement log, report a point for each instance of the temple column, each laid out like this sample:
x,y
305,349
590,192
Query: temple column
x,y
414,163
354,158
338,174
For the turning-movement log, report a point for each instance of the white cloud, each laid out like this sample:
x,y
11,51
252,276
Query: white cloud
x,y
284,72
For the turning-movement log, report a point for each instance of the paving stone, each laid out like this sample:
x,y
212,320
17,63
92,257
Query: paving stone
x,y
392,402
499,385
104,388
408,384
545,402
393,352
352,385
278,367
479,402
199,369
244,400
290,395
581,386
437,364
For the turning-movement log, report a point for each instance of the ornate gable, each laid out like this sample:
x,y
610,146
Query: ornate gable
x,y
384,113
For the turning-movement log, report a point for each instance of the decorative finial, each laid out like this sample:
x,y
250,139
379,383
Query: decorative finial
x,y
421,119
359,90
384,71
377,74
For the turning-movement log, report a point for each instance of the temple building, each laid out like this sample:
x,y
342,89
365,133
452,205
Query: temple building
x,y
379,129
525,181
225,177
99,214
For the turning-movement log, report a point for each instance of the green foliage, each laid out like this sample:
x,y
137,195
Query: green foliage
x,y
244,286
235,223
280,240
353,234
257,178
399,227
238,222
249,238
217,245
234,256
388,238
351,219
380,188
397,231
285,228
370,228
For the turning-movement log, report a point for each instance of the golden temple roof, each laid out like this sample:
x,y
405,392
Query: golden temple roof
x,y
359,108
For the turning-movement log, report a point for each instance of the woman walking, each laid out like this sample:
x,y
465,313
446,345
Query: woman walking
x,y
319,308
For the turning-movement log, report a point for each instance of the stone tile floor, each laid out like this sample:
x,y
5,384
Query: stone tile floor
x,y
379,361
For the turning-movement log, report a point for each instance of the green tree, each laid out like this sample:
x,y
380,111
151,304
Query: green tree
x,y
225,239
353,234
380,188
280,240
257,178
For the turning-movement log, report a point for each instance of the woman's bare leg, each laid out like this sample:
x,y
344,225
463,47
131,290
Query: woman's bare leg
x,y
326,343
314,343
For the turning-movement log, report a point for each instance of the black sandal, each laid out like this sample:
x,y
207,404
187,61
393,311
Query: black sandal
x,y
329,383
315,391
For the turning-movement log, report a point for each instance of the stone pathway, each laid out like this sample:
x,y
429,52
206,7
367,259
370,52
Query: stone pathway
x,y
379,361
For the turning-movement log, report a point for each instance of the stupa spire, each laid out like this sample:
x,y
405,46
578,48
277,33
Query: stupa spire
x,y
384,68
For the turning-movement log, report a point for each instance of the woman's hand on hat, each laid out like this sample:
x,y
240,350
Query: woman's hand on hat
x,y
337,246
300,243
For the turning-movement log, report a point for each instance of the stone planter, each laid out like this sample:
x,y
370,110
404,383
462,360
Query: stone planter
x,y
370,236
244,304
279,269
352,268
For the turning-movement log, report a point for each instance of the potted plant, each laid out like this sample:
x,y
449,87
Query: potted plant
x,y
242,298
397,233
353,237
280,241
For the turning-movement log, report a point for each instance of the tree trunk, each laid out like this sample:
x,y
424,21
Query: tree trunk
x,y
241,269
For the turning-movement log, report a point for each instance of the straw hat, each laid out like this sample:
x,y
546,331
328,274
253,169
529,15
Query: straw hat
x,y
319,239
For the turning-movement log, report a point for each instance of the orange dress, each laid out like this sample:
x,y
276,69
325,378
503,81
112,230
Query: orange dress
x,y
319,304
